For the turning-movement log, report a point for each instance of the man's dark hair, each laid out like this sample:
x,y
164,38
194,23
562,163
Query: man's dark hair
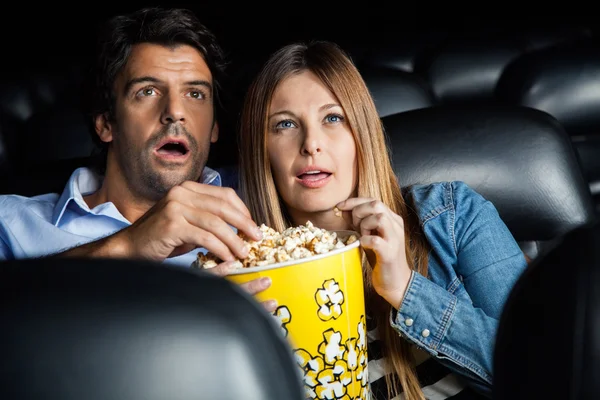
x,y
117,36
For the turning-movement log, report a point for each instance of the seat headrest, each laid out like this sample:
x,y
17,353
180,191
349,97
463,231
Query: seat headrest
x,y
467,70
401,52
518,158
564,81
538,39
397,91
548,335
110,329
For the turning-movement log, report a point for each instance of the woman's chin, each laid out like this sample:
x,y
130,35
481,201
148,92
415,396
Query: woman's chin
x,y
316,209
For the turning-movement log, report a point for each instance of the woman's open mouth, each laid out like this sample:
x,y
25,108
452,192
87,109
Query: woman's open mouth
x,y
314,179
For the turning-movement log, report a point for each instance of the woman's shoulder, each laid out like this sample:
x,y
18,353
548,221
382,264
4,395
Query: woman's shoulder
x,y
432,199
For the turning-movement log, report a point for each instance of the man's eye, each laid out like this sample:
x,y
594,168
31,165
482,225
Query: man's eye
x,y
197,94
147,91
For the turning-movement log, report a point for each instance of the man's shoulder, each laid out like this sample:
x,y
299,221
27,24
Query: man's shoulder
x,y
13,205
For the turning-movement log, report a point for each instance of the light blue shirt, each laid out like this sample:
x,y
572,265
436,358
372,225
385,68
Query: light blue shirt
x,y
47,224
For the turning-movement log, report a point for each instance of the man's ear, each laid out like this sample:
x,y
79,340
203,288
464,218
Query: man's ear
x,y
214,135
103,128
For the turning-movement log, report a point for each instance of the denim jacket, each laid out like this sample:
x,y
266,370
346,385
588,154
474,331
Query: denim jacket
x,y
474,261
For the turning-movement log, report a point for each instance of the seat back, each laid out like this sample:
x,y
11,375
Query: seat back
x,y
518,158
111,329
397,91
548,335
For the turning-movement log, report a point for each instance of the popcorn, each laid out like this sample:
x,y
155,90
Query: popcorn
x,y
337,212
293,243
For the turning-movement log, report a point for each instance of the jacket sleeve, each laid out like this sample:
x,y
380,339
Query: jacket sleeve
x,y
488,261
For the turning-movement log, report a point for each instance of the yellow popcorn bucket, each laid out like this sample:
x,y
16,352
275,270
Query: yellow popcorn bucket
x,y
322,313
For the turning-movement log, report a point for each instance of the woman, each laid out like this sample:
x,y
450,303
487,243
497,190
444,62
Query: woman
x,y
440,262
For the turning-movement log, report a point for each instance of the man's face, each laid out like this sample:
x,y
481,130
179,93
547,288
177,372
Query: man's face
x,y
164,119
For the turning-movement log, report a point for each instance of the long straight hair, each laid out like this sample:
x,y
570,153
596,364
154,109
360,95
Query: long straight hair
x,y
376,178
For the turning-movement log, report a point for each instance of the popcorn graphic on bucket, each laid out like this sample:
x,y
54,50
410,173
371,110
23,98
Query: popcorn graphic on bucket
x,y
321,306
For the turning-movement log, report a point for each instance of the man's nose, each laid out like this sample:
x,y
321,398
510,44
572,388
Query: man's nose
x,y
173,110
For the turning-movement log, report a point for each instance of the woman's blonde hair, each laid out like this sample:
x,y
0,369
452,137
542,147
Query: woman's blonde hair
x,y
376,178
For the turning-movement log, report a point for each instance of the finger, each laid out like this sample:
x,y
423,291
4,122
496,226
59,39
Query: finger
x,y
375,244
370,207
228,211
219,192
257,285
349,204
380,223
270,305
191,234
224,268
217,230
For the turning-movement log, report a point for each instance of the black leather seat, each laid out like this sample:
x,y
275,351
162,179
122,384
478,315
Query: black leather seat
x,y
562,81
5,165
109,329
397,91
549,335
44,129
518,158
401,51
540,38
466,70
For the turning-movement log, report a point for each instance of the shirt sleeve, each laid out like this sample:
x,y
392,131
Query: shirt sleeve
x,y
5,253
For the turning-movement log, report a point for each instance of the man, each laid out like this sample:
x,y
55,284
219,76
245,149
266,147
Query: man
x,y
152,107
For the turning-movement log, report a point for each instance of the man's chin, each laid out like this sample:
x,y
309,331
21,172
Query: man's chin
x,y
162,182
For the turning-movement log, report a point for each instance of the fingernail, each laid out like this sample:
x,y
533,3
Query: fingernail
x,y
259,233
265,282
230,265
245,250
271,305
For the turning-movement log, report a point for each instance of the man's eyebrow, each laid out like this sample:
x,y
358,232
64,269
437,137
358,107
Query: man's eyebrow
x,y
141,79
151,79
200,82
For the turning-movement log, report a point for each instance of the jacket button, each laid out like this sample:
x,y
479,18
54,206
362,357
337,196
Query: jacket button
x,y
425,332
408,321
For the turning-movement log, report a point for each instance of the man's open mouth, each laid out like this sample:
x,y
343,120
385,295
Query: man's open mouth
x,y
173,149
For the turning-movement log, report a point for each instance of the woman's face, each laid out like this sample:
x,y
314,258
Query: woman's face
x,y
311,148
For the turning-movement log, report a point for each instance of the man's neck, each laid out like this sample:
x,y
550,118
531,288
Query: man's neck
x,y
114,189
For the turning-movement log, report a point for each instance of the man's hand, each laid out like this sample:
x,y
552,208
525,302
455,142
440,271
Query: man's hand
x,y
191,215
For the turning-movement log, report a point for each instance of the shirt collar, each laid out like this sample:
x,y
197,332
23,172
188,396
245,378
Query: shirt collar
x,y
84,181
211,177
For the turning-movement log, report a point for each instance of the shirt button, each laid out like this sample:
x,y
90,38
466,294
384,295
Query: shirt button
x,y
425,332
408,321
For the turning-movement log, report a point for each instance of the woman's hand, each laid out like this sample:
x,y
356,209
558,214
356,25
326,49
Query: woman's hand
x,y
382,232
253,287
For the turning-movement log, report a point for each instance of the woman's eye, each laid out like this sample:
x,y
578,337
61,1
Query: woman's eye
x,y
334,118
285,124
